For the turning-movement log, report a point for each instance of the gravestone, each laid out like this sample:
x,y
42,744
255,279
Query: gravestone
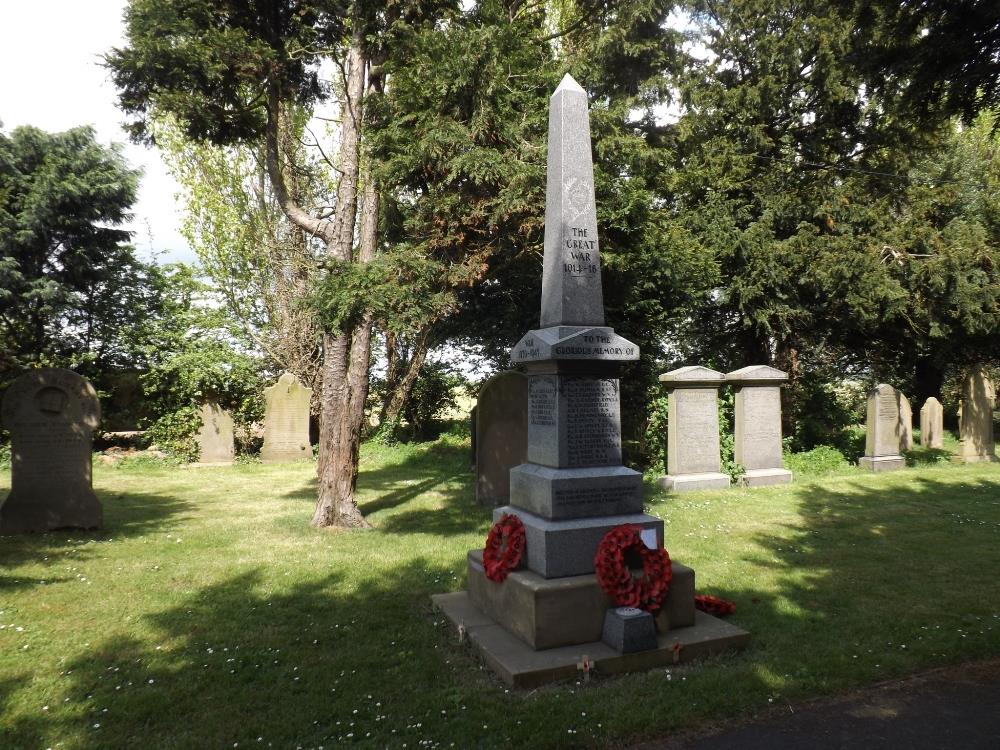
x,y
501,435
757,443
535,625
215,437
905,424
286,421
884,434
51,415
976,439
932,424
693,457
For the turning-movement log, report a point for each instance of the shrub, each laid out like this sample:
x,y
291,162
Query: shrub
x,y
823,459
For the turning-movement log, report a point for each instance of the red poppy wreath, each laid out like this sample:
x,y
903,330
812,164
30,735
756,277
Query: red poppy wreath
x,y
714,605
504,547
621,545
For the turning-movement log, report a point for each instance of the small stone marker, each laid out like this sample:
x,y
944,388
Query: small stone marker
x,y
932,424
977,443
758,424
501,435
884,435
627,630
51,415
215,438
693,456
905,424
286,421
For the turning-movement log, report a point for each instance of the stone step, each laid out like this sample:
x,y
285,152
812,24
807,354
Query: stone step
x,y
576,493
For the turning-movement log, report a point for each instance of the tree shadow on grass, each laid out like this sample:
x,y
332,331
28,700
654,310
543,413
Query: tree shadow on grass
x,y
874,582
126,515
313,663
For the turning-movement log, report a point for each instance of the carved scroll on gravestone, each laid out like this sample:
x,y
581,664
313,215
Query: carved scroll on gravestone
x,y
501,435
884,435
51,415
932,424
977,443
694,459
215,437
757,445
286,421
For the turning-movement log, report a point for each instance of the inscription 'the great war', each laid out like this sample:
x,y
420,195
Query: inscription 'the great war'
x,y
580,251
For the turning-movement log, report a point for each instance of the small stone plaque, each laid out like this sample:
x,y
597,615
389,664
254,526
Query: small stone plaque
x,y
628,630
51,415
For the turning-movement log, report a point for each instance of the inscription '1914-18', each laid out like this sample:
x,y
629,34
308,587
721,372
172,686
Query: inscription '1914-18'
x,y
580,252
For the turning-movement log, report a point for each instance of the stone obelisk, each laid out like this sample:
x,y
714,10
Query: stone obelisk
x,y
542,622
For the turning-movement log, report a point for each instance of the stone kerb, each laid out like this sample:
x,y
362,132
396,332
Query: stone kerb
x,y
286,421
932,424
694,459
757,445
51,415
884,430
501,435
977,443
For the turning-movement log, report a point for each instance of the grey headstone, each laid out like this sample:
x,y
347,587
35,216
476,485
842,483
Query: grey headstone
x,y
694,458
932,424
215,438
571,272
884,434
628,630
977,442
905,424
501,435
757,439
286,421
51,415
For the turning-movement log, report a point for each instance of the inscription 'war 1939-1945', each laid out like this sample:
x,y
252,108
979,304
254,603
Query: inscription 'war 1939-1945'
x,y
581,252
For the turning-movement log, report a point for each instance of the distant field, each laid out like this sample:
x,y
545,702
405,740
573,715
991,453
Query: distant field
x,y
208,614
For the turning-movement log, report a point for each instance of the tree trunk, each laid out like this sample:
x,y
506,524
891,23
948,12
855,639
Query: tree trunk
x,y
928,379
401,393
345,354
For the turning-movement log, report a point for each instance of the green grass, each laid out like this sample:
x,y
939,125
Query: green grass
x,y
207,614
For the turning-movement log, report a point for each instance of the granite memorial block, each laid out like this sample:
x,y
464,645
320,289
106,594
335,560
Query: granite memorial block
x,y
572,488
286,421
694,459
51,415
501,435
905,424
757,445
215,437
932,424
627,629
884,433
976,440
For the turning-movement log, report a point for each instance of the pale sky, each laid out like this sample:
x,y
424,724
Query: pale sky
x,y
51,78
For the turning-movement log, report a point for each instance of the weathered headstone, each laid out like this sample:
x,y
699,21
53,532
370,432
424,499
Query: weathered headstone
x,y
286,421
501,435
977,443
757,444
905,424
215,438
884,435
51,415
572,489
693,457
932,424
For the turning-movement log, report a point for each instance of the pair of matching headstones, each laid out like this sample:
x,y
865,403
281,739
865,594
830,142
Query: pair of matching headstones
x,y
694,459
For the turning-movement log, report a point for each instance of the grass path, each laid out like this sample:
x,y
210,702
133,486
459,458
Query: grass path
x,y
207,614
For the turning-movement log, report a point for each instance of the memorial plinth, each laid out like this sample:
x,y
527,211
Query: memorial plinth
x,y
757,417
538,623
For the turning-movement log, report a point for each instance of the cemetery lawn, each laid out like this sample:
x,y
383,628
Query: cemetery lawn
x,y
208,614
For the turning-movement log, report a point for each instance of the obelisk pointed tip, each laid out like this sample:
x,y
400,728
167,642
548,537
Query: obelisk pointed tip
x,y
568,83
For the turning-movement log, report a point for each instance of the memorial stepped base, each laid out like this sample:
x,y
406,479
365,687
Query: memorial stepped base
x,y
552,612
520,666
555,549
